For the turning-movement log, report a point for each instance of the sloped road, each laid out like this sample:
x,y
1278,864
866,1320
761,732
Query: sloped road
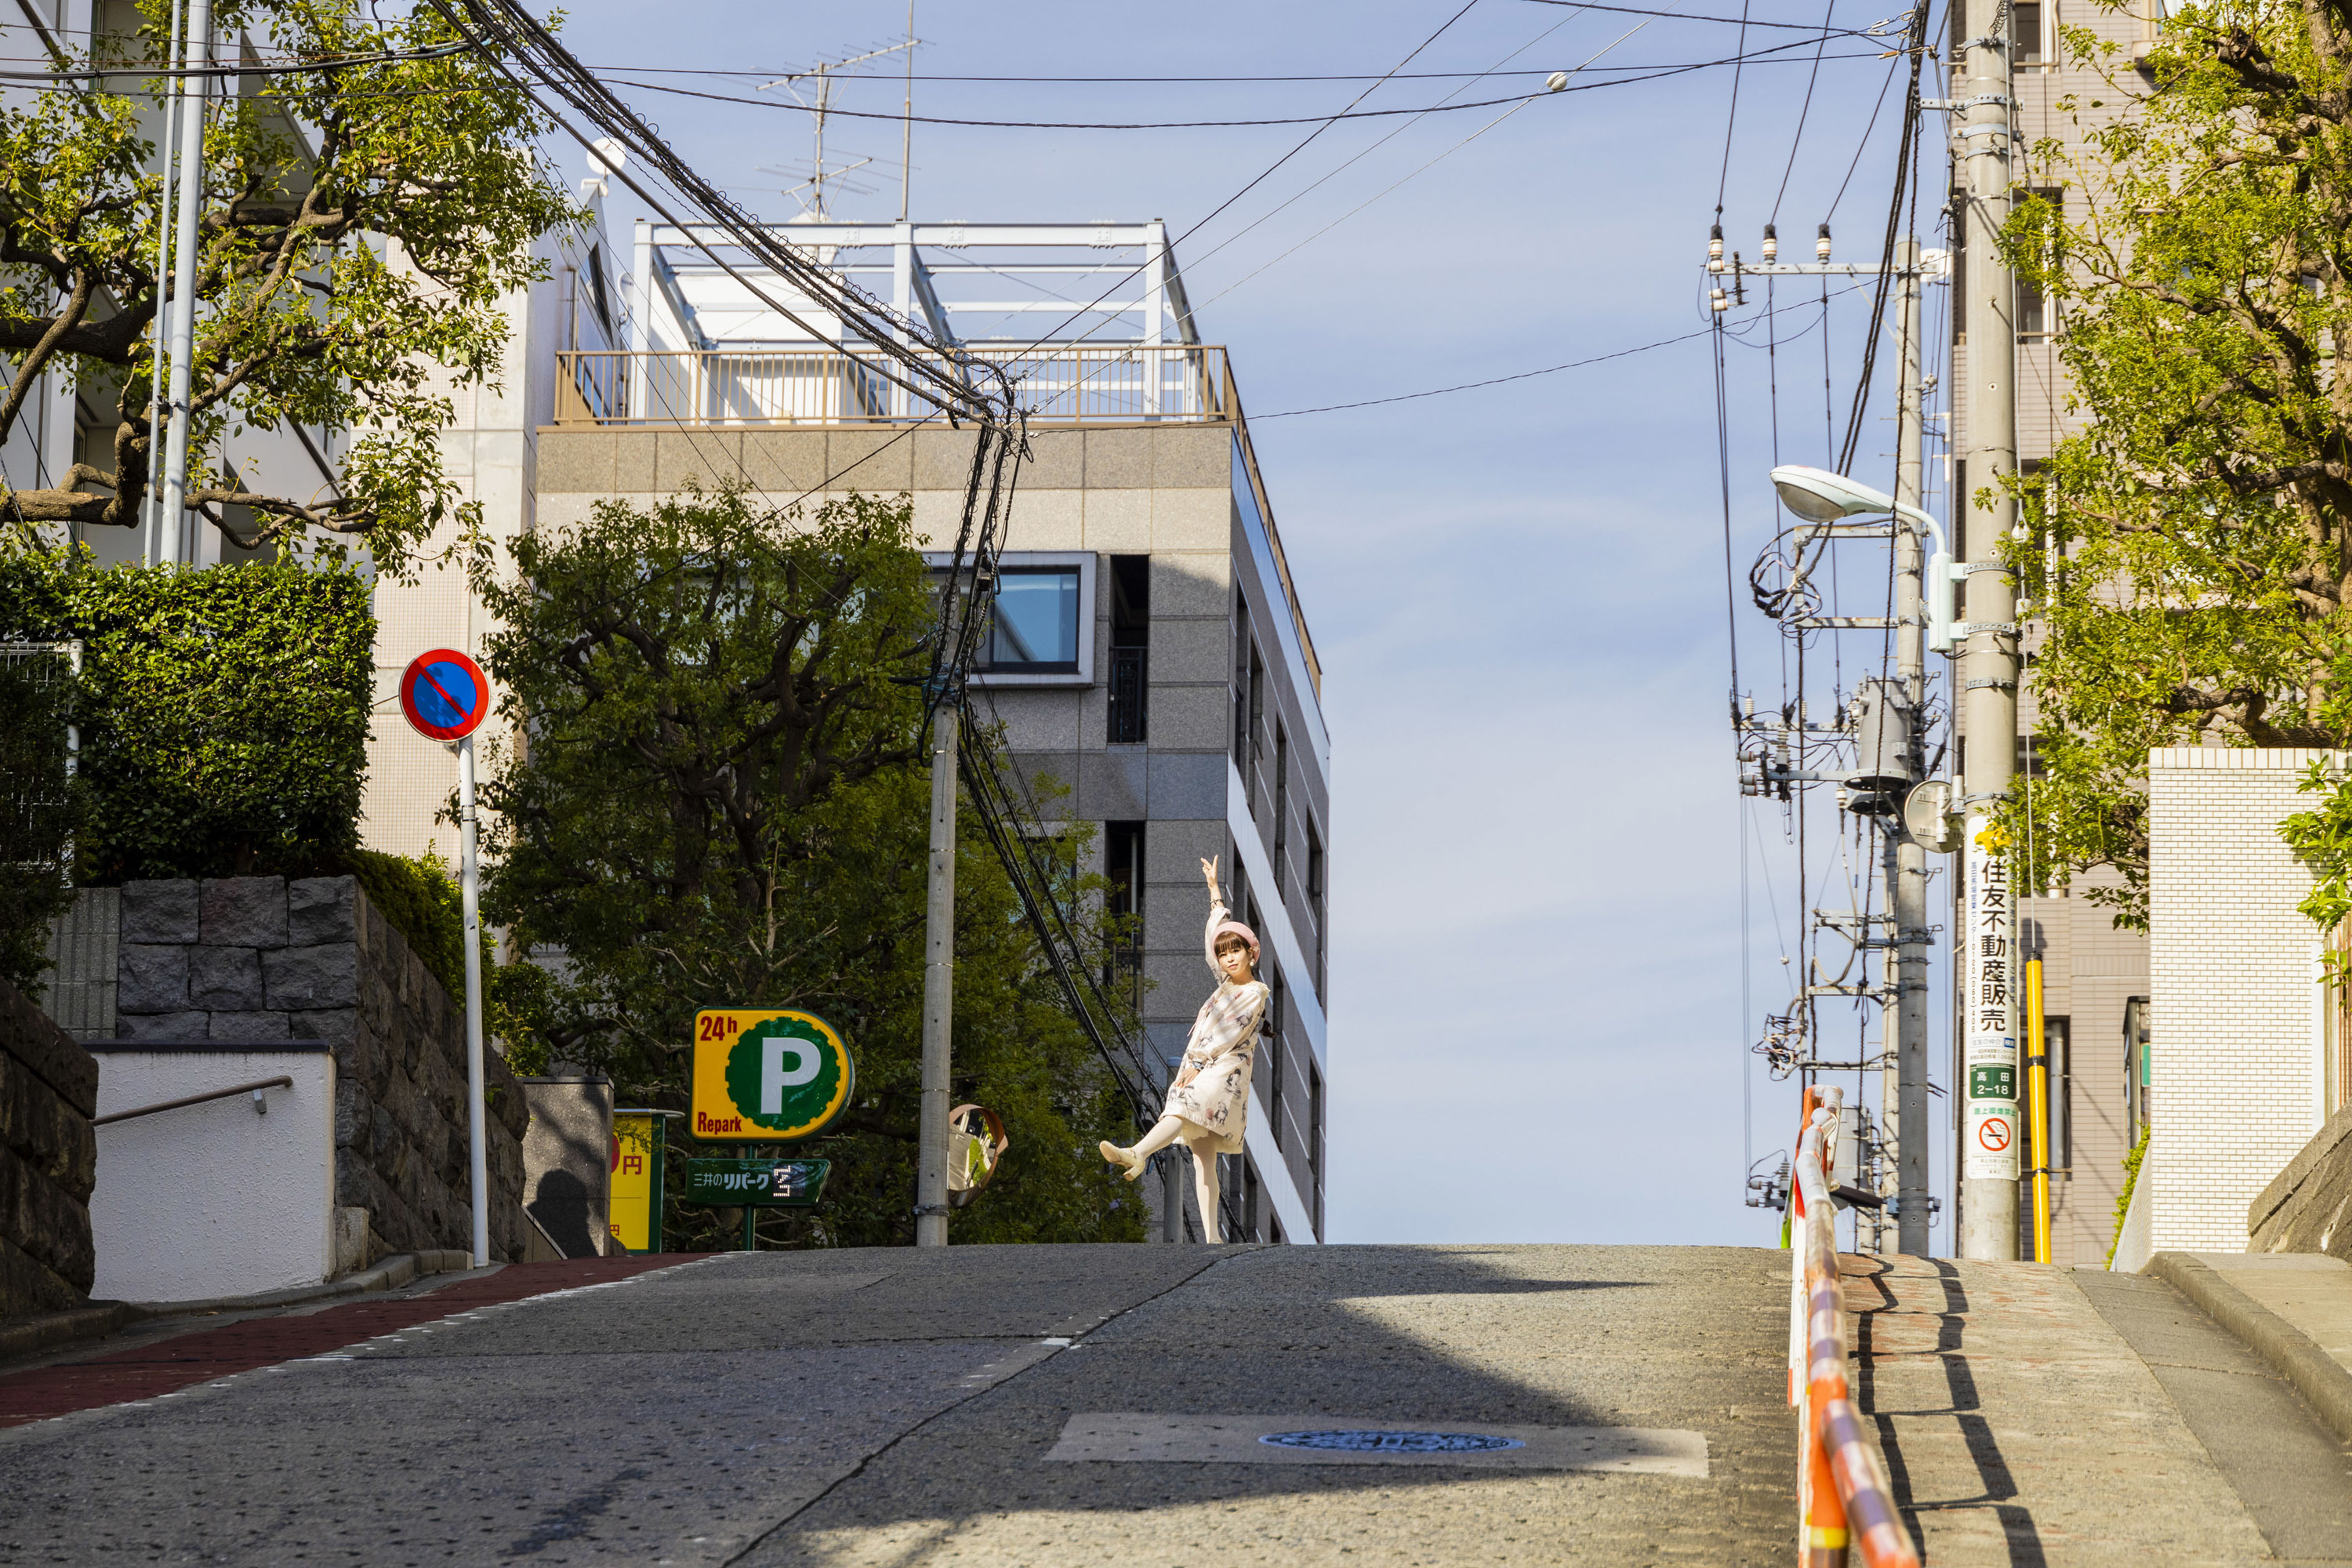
x,y
1042,1405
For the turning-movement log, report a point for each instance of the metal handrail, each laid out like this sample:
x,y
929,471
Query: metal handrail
x,y
750,387
1843,1489
254,1088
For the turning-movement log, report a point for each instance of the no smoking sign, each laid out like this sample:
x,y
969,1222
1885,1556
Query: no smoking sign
x,y
1993,1133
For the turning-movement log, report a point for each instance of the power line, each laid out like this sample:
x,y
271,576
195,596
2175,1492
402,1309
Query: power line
x,y
1527,374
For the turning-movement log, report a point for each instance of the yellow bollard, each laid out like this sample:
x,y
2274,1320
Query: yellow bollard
x,y
2037,1103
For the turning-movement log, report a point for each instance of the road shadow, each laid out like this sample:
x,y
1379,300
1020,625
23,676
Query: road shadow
x,y
1691,1339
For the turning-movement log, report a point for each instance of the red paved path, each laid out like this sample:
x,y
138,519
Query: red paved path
x,y
143,1371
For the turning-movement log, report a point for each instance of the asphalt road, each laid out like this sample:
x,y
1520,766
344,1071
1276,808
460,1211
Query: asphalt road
x,y
1011,1406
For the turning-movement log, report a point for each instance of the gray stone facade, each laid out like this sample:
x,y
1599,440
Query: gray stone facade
x,y
49,1162
255,960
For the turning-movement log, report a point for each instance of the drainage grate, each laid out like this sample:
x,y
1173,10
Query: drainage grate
x,y
1361,1442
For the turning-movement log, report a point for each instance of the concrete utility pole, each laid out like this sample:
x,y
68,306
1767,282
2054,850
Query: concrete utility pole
x,y
1903,1118
173,513
1987,694
939,987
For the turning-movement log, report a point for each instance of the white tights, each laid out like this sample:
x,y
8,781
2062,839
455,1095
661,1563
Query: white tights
x,y
1202,1143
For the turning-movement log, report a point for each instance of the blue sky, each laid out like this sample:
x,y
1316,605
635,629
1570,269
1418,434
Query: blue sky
x,y
1518,593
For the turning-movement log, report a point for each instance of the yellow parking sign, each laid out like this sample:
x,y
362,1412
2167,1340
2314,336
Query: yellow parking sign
x,y
766,1075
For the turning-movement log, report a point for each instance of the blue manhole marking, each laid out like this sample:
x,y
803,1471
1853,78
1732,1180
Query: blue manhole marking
x,y
1362,1442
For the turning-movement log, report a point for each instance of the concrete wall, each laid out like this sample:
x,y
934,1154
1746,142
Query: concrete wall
x,y
212,1200
48,1088
258,960
567,1162
2233,972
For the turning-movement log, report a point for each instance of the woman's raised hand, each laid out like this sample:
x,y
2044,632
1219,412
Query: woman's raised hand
x,y
1209,872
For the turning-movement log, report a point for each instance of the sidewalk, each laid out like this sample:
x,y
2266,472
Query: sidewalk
x,y
162,1364
2019,1426
2292,1309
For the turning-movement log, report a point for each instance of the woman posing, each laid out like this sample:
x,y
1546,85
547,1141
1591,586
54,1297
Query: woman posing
x,y
1208,1105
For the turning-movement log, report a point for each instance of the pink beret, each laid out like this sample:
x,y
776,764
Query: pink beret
x,y
1236,927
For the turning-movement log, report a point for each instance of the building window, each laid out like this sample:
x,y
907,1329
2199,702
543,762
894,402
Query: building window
x,y
2137,1087
1315,896
2025,33
1033,628
1251,1187
1123,869
1130,646
1281,803
1315,1142
1270,1035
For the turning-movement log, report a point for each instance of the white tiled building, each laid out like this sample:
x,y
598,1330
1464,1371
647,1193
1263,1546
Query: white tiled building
x,y
2239,1077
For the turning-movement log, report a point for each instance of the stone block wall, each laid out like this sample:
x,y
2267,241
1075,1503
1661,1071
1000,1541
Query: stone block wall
x,y
253,960
2233,972
49,1162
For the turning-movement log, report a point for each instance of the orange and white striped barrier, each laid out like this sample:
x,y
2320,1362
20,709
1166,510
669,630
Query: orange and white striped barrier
x,y
1844,1498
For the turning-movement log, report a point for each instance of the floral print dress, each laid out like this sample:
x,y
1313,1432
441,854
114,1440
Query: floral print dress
x,y
1222,1047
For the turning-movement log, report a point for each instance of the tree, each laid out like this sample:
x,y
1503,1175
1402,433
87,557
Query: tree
x,y
722,801
362,213
2188,549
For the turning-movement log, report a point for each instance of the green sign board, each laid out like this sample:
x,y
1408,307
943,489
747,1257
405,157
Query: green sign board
x,y
1996,1081
755,1184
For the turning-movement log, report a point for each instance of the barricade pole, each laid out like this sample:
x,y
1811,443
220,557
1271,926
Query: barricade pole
x,y
1845,1496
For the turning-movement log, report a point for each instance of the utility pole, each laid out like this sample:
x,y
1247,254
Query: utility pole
x,y
1987,690
1903,1117
173,513
939,984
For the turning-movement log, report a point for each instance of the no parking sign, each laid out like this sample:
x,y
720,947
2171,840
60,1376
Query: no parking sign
x,y
445,695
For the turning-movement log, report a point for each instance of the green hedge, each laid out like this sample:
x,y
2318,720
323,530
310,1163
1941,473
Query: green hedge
x,y
224,712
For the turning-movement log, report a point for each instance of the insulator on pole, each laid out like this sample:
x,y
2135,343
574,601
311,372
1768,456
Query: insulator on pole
x,y
1771,244
1715,248
1821,246
1718,301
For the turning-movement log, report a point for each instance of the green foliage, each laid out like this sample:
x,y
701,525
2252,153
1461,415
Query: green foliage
x,y
40,805
361,226
2122,1200
423,903
2191,548
724,803
223,714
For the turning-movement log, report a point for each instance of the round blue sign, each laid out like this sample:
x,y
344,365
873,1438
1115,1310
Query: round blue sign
x,y
445,695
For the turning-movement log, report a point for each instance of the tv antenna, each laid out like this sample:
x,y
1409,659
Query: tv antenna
x,y
813,90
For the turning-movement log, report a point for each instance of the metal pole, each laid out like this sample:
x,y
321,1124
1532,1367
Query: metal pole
x,y
173,513
472,889
1904,1113
906,127
2037,1100
148,507
1986,697
938,988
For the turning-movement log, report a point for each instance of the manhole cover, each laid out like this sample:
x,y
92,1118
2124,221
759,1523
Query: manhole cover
x,y
1358,1442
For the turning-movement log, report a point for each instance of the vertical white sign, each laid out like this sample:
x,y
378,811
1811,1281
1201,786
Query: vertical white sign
x,y
1989,1119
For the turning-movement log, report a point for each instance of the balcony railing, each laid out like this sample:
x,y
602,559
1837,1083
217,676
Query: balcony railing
x,y
1071,383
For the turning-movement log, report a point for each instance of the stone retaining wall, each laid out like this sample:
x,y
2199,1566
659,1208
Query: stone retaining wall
x,y
49,1162
253,960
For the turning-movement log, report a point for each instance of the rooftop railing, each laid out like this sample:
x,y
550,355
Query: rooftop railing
x,y
1059,384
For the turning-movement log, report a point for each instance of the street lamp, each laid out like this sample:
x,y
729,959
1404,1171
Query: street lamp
x,y
1821,497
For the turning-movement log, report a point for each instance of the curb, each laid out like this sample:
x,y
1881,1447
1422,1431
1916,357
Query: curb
x,y
2292,1354
100,1319
94,1321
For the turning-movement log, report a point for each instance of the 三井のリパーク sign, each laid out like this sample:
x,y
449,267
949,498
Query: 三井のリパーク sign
x,y
766,1075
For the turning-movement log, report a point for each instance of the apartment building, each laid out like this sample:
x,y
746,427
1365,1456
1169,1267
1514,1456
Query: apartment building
x,y
1148,649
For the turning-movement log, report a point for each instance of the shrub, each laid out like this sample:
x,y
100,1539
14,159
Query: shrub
x,y
224,712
